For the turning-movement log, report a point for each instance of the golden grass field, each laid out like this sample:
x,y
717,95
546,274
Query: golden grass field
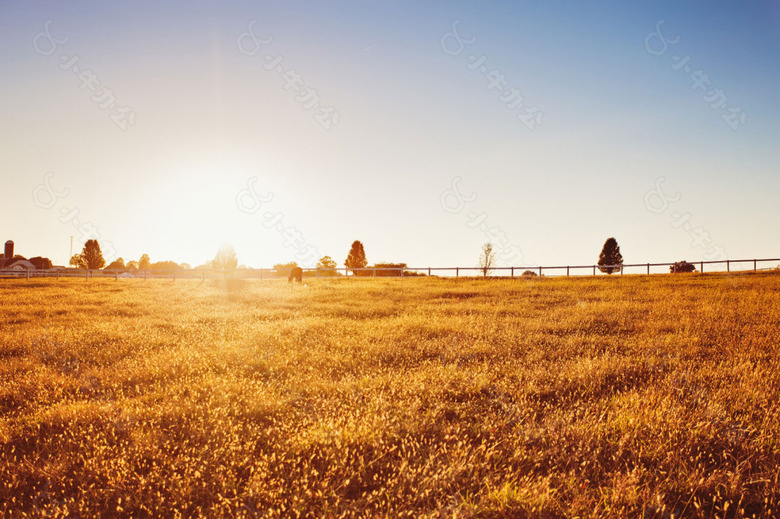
x,y
627,396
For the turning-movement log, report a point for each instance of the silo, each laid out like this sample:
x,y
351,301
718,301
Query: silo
x,y
9,250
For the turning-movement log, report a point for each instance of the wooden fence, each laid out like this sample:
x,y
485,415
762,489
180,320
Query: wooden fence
x,y
263,273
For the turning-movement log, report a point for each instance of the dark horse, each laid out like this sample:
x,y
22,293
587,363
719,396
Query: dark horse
x,y
296,273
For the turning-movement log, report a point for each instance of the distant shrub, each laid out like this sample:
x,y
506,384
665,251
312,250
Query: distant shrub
x,y
118,264
388,270
164,266
529,274
682,267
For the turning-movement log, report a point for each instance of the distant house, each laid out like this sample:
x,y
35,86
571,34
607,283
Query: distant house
x,y
19,264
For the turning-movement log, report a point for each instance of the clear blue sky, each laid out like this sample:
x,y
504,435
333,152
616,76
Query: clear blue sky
x,y
411,118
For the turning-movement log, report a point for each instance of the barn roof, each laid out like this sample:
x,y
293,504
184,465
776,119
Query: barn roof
x,y
19,262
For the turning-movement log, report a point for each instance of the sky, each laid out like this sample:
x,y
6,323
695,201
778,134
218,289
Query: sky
x,y
423,129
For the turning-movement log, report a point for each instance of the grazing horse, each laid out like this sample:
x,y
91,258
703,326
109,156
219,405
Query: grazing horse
x,y
296,273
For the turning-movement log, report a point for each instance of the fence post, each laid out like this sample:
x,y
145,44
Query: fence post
x,y
702,267
402,272
755,266
373,272
540,271
648,269
429,271
28,274
728,266
513,272
58,274
567,271
594,270
621,270
456,271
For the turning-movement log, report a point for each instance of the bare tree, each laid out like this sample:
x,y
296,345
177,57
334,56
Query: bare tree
x,y
487,259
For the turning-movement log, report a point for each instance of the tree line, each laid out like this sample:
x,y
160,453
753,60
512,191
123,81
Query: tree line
x,y
91,257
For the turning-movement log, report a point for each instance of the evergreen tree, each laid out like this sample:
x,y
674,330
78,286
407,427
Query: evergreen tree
x,y
610,255
357,257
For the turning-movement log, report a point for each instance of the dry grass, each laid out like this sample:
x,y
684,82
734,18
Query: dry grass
x,y
620,397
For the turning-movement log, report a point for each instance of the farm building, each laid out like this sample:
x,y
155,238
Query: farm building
x,y
19,264
9,261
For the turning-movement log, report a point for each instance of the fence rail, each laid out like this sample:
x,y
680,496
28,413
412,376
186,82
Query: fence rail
x,y
570,270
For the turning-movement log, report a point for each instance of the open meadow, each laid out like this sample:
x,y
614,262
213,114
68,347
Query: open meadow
x,y
628,396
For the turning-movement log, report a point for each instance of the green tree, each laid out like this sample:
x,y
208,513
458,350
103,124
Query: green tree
x,y
118,264
225,259
144,262
41,263
92,256
326,263
487,259
610,259
357,257
77,261
165,266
